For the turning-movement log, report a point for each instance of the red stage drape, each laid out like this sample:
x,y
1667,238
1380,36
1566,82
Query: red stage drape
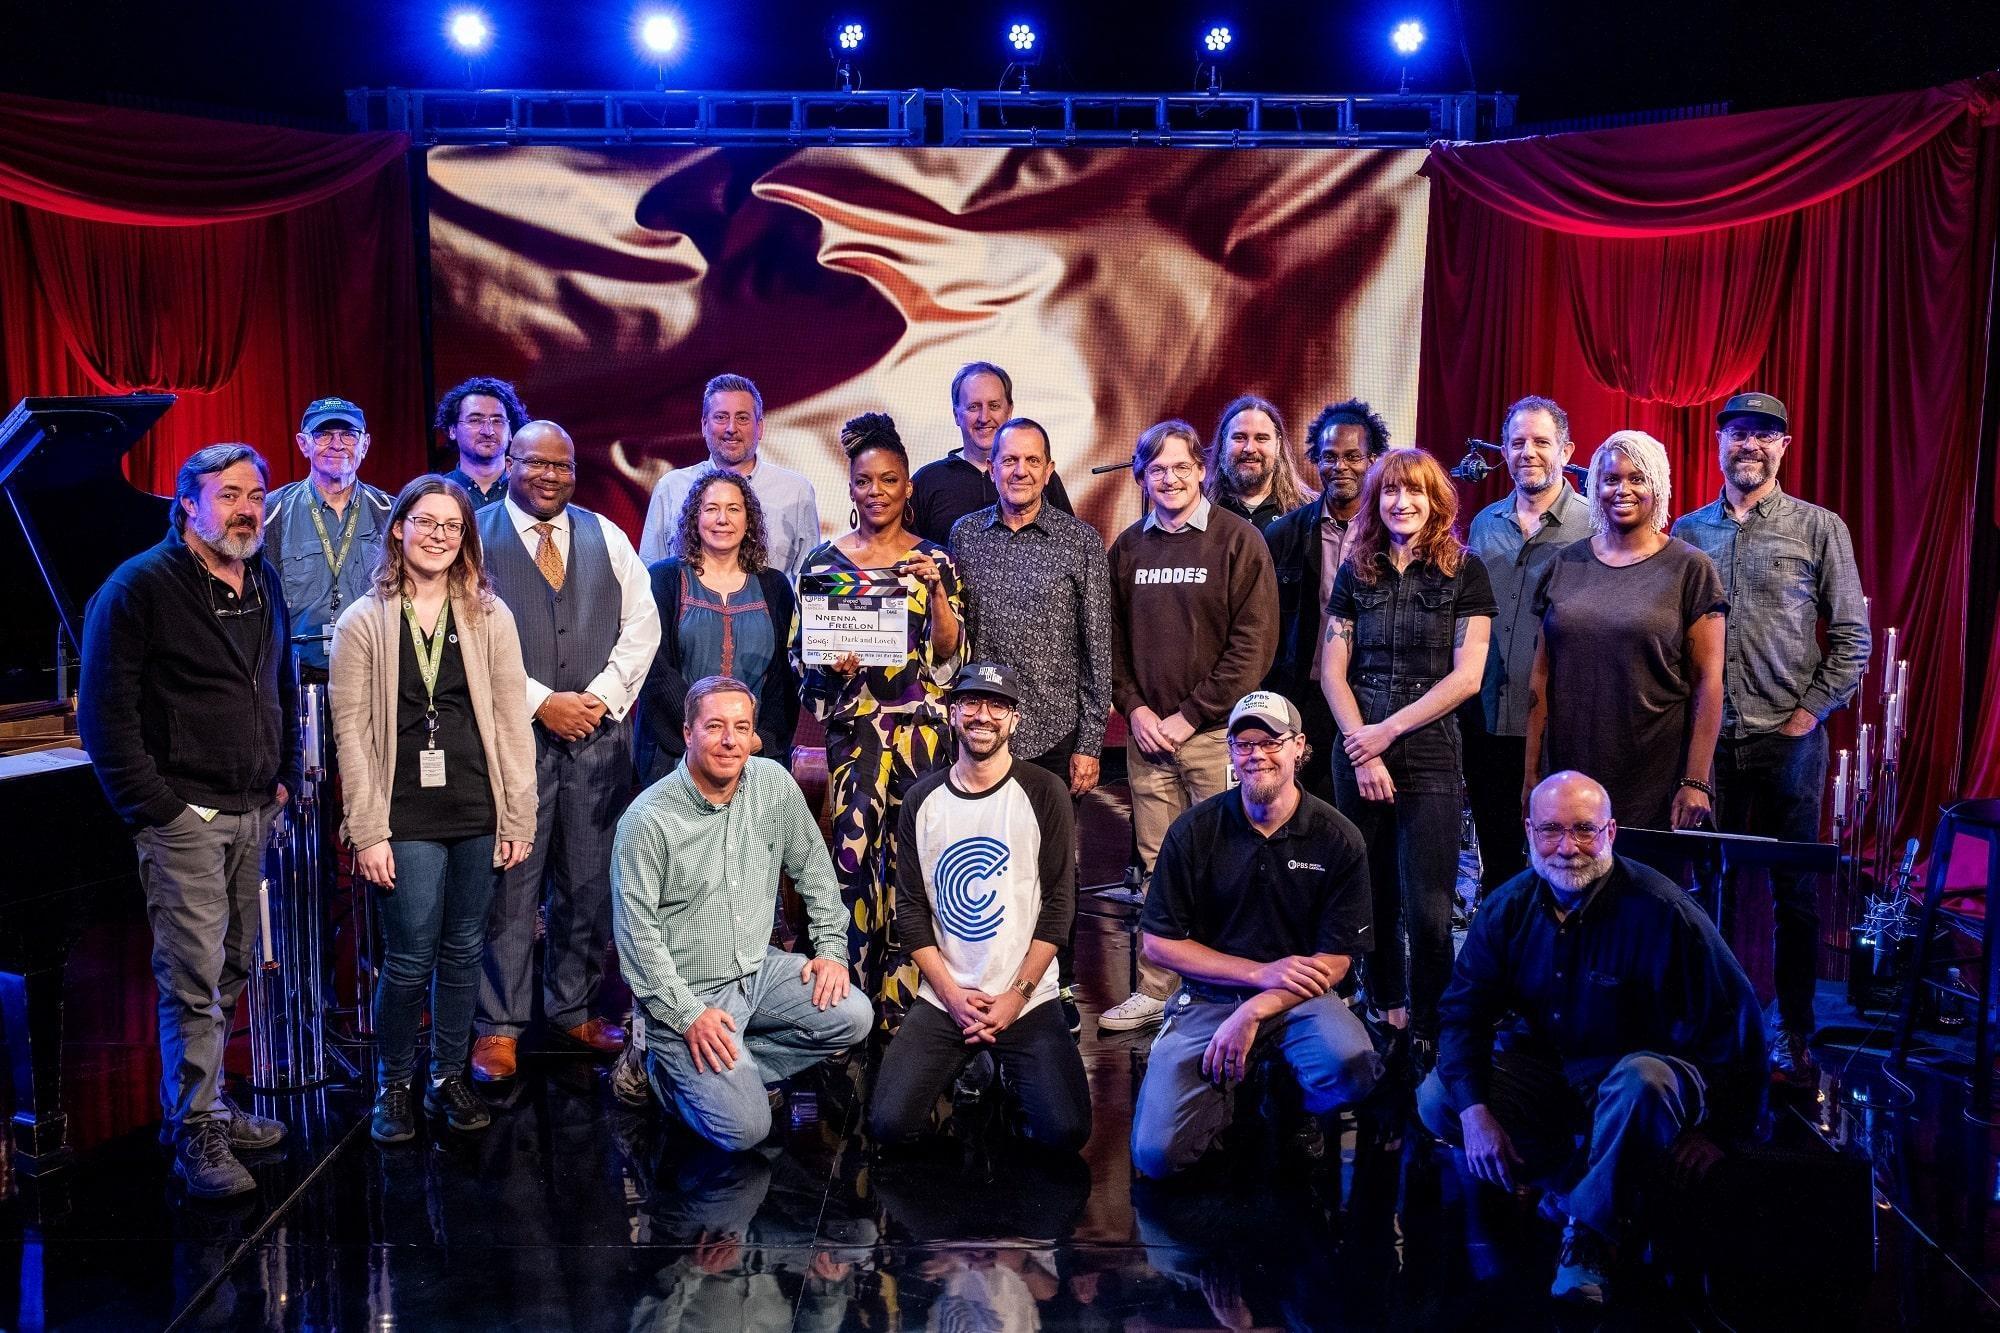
x,y
247,268
1837,256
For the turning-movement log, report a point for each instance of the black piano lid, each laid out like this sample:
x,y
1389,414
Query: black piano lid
x,y
60,467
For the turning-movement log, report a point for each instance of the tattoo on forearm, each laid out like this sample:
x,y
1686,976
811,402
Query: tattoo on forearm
x,y
1340,629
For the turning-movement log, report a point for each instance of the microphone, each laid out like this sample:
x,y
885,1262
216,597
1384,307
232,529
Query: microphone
x,y
1473,468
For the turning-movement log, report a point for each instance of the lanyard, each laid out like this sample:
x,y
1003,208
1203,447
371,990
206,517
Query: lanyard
x,y
430,656
335,562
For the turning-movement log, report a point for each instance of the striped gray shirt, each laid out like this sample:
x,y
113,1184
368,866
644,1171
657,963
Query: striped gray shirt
x,y
693,885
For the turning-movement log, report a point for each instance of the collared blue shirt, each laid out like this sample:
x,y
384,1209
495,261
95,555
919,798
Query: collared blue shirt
x,y
292,543
1514,566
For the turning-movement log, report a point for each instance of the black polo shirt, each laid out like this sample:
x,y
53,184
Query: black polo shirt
x,y
947,489
1303,890
1262,517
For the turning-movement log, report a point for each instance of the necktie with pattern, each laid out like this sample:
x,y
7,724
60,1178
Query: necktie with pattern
x,y
547,558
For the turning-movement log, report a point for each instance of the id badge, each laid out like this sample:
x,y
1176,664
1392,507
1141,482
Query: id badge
x,y
430,768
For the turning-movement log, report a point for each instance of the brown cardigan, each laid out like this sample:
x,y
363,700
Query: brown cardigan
x,y
362,695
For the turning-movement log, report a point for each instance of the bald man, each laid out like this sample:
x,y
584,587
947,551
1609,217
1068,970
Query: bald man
x,y
1623,1021
589,628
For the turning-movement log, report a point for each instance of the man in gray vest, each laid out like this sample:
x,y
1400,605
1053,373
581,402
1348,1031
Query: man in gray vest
x,y
589,630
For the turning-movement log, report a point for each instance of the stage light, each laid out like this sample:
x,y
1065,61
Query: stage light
x,y
1021,39
660,34
844,39
849,36
1216,40
469,31
1407,37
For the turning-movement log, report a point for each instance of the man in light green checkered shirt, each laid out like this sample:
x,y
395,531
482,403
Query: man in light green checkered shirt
x,y
694,880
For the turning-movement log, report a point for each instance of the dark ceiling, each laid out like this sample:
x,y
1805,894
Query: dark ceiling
x,y
1564,57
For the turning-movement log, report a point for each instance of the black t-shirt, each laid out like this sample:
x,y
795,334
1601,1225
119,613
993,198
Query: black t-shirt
x,y
463,807
1220,882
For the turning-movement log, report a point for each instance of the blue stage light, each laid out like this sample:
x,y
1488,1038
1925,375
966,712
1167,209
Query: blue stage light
x,y
849,36
1216,40
659,34
1407,37
1021,37
469,31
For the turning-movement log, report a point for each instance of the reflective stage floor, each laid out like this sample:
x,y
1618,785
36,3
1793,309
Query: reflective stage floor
x,y
573,1212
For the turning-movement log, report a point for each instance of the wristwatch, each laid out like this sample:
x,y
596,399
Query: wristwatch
x,y
1023,988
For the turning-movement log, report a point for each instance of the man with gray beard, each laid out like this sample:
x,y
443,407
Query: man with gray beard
x,y
1592,1000
188,708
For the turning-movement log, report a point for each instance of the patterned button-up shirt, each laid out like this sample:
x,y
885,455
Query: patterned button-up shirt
x,y
1785,567
1039,600
1514,565
693,886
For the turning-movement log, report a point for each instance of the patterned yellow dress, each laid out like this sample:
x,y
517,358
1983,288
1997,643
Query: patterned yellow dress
x,y
885,728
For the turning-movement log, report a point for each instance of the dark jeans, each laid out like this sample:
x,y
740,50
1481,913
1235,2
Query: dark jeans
x,y
1036,1058
1055,759
1413,869
433,936
1493,768
1628,1120
1770,785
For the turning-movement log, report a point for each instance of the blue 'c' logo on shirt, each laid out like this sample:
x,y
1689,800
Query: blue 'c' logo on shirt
x,y
970,916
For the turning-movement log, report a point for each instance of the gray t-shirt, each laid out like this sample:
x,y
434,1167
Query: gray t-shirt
x,y
1621,680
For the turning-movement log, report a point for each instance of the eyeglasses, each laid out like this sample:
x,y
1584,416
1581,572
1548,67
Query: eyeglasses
x,y
531,466
989,707
1178,471
325,438
1238,745
477,422
1584,835
1346,458
1743,434
451,528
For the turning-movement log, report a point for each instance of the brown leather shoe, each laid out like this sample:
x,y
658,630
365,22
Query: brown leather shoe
x,y
493,1059
600,1036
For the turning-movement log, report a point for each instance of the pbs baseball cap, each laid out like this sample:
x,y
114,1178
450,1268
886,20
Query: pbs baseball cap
x,y
1267,709
322,410
1754,405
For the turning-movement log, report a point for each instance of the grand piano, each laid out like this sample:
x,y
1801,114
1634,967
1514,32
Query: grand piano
x,y
66,851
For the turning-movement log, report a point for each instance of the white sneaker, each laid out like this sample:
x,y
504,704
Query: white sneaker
x,y
1139,1010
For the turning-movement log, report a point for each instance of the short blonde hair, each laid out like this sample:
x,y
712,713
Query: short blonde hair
x,y
1643,452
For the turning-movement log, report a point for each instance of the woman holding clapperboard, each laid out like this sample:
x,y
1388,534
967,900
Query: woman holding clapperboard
x,y
885,723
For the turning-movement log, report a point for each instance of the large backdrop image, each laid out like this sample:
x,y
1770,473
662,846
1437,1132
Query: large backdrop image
x,y
1118,287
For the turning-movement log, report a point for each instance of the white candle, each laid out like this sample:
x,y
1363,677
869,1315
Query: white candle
x,y
1863,774
1844,772
1840,798
1889,663
264,918
1903,686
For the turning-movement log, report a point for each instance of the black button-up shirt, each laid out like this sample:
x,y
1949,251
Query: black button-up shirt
x,y
1636,967
1303,890
947,489
1515,565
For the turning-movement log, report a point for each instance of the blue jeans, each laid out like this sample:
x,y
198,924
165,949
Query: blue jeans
x,y
778,1033
434,935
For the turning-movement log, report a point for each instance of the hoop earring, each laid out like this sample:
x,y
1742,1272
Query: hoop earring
x,y
854,518
909,515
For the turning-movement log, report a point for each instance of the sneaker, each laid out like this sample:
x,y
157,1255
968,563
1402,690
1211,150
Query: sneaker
x,y
205,1164
247,1132
1792,1063
1583,1272
628,1079
453,1098
1072,1016
393,1121
1139,1010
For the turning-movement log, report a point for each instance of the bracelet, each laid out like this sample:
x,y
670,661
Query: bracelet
x,y
1699,786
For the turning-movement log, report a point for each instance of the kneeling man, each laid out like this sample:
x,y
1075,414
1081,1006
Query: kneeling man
x,y
1260,902
1622,1018
985,893
694,883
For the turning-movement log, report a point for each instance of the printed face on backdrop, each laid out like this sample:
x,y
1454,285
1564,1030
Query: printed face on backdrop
x,y
1534,457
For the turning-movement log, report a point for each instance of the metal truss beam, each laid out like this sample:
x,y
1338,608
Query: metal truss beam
x,y
912,117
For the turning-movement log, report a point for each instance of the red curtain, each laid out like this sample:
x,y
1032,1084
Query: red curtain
x,y
1837,256
246,268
